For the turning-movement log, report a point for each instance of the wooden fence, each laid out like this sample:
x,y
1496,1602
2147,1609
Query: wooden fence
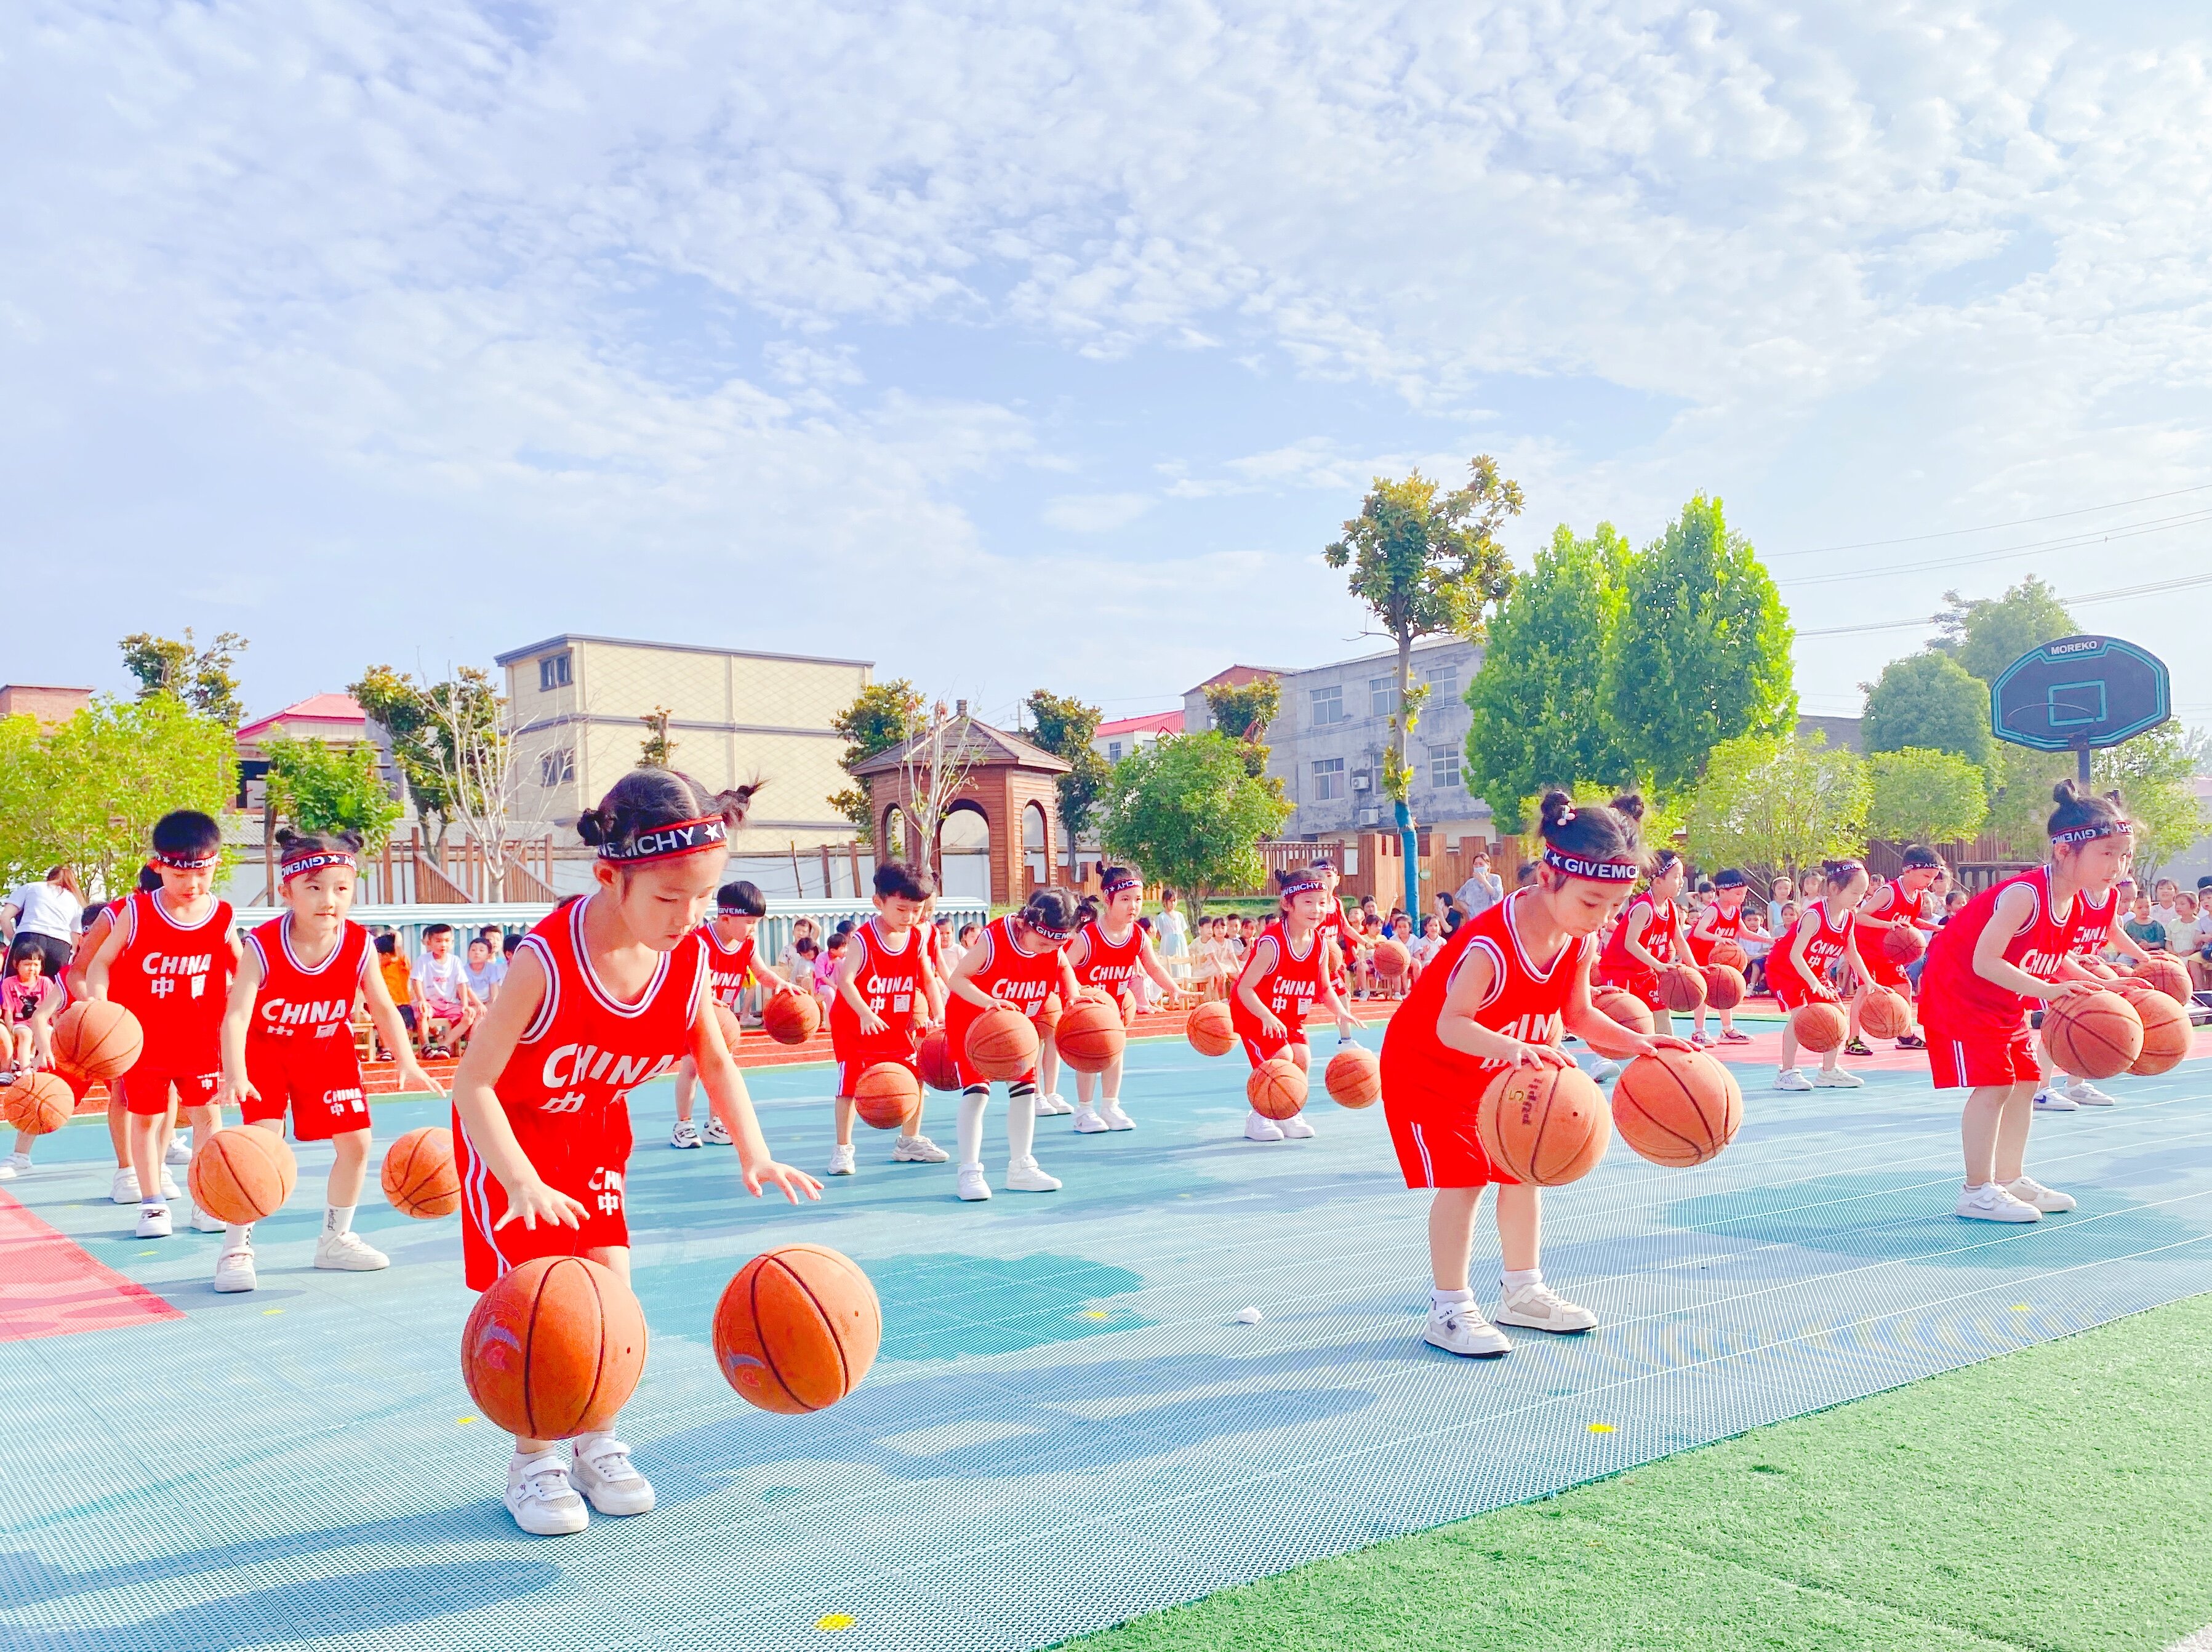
x,y
413,870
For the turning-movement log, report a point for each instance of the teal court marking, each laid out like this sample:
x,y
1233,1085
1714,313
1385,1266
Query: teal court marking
x,y
1067,1427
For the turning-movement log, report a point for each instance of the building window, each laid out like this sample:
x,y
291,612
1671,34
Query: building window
x,y
1329,779
1113,752
1382,696
555,767
552,673
1328,707
1443,683
1444,768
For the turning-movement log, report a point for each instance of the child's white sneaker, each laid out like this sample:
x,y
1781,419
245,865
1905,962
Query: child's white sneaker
x,y
973,1186
154,1221
1790,1079
2049,1200
124,1190
169,1188
1991,1203
2083,1093
2055,1101
1026,1175
179,1152
842,1162
1053,1106
348,1252
1837,1079
1088,1122
604,1473
684,1135
234,1270
1258,1127
1110,1110
540,1499
1295,1128
17,1165
202,1223
1458,1327
917,1150
715,1136
1539,1307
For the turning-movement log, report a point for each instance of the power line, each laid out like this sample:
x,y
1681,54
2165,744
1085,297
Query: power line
x,y
2082,601
1991,527
2067,541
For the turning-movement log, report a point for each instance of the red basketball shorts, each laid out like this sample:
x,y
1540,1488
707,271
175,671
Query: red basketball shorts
x,y
585,1162
1886,970
854,1053
1793,989
1438,1146
1982,1058
318,1078
1640,984
146,1086
956,1047
1259,1045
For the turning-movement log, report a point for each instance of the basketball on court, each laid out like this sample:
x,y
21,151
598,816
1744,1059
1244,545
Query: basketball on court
x,y
1090,1038
420,1177
1677,1108
555,1348
1048,1015
797,1329
1681,988
1821,1026
1624,1007
1354,1077
2169,975
791,1017
1210,1030
38,1103
1903,941
243,1173
1884,1012
936,1062
2093,1035
1729,956
1543,1125
1002,1044
97,1038
1277,1088
2167,1035
1392,960
886,1095
1724,985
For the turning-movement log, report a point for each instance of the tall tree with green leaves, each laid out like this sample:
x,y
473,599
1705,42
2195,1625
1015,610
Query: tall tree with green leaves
x,y
1988,633
1924,796
656,750
109,773
1701,653
206,679
1245,712
1426,564
1930,701
1774,804
23,835
1187,813
1540,718
2154,774
402,708
1065,728
885,717
322,787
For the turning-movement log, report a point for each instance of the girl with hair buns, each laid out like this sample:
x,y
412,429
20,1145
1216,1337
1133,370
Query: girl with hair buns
x,y
1289,967
1797,970
1649,935
2008,948
608,992
1506,985
1110,953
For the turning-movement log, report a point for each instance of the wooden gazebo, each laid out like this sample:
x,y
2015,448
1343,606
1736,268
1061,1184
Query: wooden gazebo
x,y
1008,781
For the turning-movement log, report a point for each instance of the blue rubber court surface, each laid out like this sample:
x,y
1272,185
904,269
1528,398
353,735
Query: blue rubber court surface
x,y
1067,1425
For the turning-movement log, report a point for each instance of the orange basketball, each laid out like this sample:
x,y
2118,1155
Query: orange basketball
x,y
1096,994
2169,975
1820,1026
936,1058
2167,1035
1618,1004
1681,987
1677,1108
1392,960
886,1095
1048,1015
420,1177
1002,1044
1729,956
1210,1030
790,1016
243,1173
732,1032
2093,1035
797,1329
1884,1012
1354,1077
1724,985
555,1348
1543,1125
1090,1038
1903,941
99,1038
38,1103
1277,1088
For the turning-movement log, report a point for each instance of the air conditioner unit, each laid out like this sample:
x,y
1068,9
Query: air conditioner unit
x,y
1369,817
1363,782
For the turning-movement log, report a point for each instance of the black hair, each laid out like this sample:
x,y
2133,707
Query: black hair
x,y
741,897
897,881
1284,876
1088,908
1838,872
1663,861
1729,877
509,946
428,930
187,832
2079,807
484,941
1600,832
26,946
844,926
317,843
806,946
841,939
91,915
1052,908
148,880
1921,855
647,800
386,945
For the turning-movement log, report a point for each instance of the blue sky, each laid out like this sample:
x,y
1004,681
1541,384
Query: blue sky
x,y
1019,345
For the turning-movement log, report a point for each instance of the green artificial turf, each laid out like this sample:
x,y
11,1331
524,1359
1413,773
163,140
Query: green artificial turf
x,y
2056,1498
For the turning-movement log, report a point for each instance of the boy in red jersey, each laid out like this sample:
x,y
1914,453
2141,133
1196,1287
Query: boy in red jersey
x,y
1497,997
1799,966
882,1007
1016,963
288,1042
167,958
1291,965
1112,950
1721,921
1901,904
608,992
733,961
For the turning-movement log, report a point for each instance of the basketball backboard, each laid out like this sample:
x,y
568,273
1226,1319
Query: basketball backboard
x,y
2079,694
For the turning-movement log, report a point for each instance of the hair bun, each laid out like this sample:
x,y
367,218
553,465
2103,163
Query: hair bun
x,y
1630,803
595,826
1556,807
735,802
285,836
2066,791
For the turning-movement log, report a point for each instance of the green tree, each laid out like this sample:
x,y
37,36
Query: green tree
x,y
1774,804
1540,718
1701,654
1245,712
24,836
1065,728
885,717
1988,633
109,773
656,750
1930,701
2154,774
321,787
402,708
203,678
1186,813
1426,565
1925,796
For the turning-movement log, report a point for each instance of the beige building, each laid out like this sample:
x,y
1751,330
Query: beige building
x,y
580,704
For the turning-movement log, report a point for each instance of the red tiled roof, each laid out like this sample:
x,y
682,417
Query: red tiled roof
x,y
1156,722
315,709
1237,677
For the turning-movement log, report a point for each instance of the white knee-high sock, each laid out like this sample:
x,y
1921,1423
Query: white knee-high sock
x,y
1021,1122
972,1100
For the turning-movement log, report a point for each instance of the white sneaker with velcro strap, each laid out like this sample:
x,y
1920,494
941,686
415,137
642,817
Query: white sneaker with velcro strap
x,y
1458,1327
2049,1200
1538,1307
540,1499
604,1473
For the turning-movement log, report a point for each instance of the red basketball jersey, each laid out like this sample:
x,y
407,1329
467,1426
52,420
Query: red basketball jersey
x,y
1107,963
2090,925
1660,935
1825,934
888,982
1009,972
1955,996
1894,906
1295,982
1722,925
295,1005
175,979
728,968
1526,999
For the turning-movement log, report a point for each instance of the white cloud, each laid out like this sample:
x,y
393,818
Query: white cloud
x,y
1094,513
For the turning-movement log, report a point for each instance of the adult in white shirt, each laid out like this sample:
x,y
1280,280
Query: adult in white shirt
x,y
54,911
1483,889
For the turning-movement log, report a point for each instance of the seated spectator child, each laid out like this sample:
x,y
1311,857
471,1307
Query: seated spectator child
x,y
484,971
29,1000
826,967
446,1010
968,934
1426,947
795,966
2197,940
399,981
2144,929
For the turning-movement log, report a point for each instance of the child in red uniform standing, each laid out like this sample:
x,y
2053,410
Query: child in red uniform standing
x,y
609,992
1111,952
288,1042
1902,903
1798,968
1648,935
1290,966
2008,948
1017,963
2096,927
168,959
733,963
1721,921
1497,997
882,1006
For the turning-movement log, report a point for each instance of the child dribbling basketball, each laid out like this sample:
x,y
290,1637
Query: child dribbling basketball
x,y
288,1042
1496,997
1648,936
733,963
1799,966
1901,904
1721,921
607,993
1291,964
882,1007
1112,950
1017,963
